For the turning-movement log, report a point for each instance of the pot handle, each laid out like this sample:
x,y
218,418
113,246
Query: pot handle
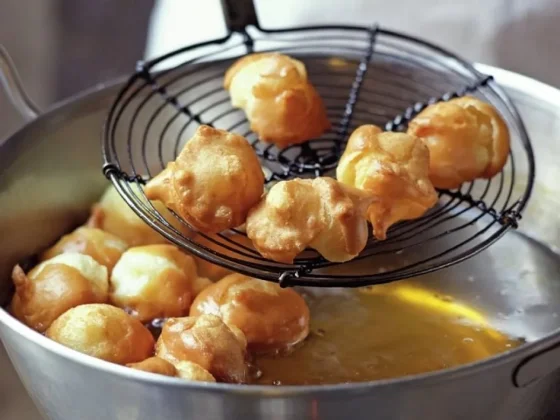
x,y
239,13
537,366
11,82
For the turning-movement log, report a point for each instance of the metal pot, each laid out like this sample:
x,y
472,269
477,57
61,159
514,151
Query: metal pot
x,y
50,174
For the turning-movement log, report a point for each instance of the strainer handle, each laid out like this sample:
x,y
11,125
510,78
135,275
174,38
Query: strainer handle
x,y
11,82
239,14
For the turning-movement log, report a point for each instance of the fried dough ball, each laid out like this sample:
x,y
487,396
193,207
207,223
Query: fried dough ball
x,y
322,213
102,246
193,372
155,365
467,138
214,181
281,104
155,281
184,370
207,341
393,167
56,285
272,318
113,215
103,331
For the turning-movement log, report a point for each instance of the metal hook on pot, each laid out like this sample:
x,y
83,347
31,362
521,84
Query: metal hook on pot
x,y
11,82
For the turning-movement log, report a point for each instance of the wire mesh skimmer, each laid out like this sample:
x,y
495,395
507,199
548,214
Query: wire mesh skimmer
x,y
365,76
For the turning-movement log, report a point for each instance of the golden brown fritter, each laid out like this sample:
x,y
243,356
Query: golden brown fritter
x,y
193,372
281,104
184,370
393,168
56,285
207,341
467,138
272,318
103,331
214,181
322,214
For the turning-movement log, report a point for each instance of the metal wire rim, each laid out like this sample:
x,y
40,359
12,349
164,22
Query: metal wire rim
x,y
383,72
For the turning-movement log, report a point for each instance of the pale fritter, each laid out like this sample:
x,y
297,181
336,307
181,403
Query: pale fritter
x,y
393,168
103,331
272,318
56,285
467,138
155,281
214,181
281,104
321,213
207,341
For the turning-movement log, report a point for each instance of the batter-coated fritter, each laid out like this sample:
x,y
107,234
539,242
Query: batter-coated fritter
x,y
467,138
281,104
393,168
214,181
321,213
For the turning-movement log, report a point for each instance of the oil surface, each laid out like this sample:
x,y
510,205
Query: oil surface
x,y
379,333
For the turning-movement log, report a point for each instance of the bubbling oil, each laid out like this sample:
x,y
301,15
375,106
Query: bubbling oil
x,y
382,332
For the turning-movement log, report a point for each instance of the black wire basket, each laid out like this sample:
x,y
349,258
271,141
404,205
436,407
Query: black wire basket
x,y
365,75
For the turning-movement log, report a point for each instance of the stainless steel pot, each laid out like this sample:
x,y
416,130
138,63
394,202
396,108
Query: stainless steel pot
x,y
50,174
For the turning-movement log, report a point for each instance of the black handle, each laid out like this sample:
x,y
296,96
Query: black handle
x,y
239,14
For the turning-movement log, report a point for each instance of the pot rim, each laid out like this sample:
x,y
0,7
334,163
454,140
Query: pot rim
x,y
510,80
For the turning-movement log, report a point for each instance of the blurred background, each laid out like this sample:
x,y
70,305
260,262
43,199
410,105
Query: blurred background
x,y
61,47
